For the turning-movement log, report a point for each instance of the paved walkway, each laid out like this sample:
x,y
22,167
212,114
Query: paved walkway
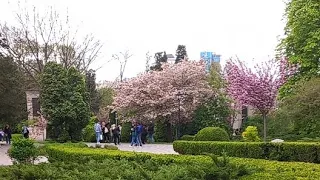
x,y
4,158
151,148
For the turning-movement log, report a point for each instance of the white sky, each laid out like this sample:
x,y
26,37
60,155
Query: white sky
x,y
249,29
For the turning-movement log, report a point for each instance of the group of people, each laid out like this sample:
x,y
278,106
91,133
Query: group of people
x,y
140,133
5,134
107,133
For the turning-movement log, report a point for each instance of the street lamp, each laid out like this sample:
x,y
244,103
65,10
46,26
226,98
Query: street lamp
x,y
179,114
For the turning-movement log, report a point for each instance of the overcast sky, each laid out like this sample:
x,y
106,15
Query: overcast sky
x,y
249,29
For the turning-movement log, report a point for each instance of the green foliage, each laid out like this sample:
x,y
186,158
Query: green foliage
x,y
213,113
23,151
251,134
302,109
110,147
125,132
187,138
289,151
160,57
212,134
265,169
16,136
64,100
216,111
301,43
88,133
12,94
94,99
163,132
181,53
81,155
174,166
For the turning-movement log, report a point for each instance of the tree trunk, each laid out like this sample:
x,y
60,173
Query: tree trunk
x,y
264,116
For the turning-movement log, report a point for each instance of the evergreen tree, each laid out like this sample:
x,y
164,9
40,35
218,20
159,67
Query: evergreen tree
x,y
94,99
160,57
181,53
12,95
64,100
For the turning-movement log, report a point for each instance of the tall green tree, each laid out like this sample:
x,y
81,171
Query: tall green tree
x,y
301,42
64,99
13,107
181,53
160,57
302,108
94,98
106,98
215,111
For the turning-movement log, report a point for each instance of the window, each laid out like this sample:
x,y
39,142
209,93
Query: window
x,y
35,106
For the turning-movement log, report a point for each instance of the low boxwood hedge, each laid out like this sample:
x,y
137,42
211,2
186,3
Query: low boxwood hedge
x,y
267,169
289,151
61,153
187,138
259,168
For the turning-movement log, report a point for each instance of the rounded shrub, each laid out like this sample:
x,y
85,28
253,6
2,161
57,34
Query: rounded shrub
x,y
23,151
251,134
212,134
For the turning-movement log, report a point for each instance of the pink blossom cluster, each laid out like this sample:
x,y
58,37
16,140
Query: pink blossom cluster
x,y
175,91
257,87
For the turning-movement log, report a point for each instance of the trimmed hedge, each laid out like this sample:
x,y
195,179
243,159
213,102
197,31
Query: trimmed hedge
x,y
260,169
82,155
266,169
187,138
289,151
212,134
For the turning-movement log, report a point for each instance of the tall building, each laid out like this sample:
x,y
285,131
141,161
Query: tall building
x,y
209,58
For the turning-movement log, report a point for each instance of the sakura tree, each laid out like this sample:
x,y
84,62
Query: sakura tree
x,y
257,87
174,92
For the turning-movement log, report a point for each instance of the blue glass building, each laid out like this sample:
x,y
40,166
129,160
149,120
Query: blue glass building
x,y
209,58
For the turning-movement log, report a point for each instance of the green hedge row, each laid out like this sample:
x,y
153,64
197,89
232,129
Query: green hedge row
x,y
289,151
61,153
266,169
260,169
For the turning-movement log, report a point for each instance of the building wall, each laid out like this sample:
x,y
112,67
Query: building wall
x,y
30,95
36,132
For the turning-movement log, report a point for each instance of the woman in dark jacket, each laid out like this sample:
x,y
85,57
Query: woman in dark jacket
x,y
7,134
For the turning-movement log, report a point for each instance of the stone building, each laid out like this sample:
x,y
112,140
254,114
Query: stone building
x,y
33,108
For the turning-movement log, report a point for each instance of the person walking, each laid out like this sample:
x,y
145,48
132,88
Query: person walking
x,y
116,134
98,131
139,133
133,134
105,132
7,134
151,132
25,132
1,135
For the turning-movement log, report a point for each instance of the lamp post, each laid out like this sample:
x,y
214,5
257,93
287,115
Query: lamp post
x,y
179,114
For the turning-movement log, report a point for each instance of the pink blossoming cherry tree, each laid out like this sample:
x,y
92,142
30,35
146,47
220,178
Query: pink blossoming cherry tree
x,y
172,93
257,87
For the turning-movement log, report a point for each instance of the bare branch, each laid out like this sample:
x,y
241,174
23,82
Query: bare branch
x,y
41,38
